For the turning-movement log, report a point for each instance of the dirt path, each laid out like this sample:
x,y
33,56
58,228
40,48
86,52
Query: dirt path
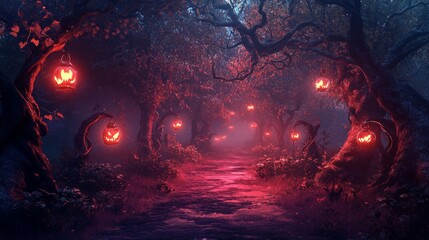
x,y
219,199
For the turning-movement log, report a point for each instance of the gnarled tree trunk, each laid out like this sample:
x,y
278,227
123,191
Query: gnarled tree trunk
x,y
82,144
408,109
310,148
353,161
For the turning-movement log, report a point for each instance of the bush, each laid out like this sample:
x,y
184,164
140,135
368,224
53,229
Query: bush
x,y
268,151
156,169
303,167
40,211
181,154
102,181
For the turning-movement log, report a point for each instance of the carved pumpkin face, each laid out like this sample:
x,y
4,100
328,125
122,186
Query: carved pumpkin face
x,y
322,84
65,77
177,125
365,137
111,134
294,135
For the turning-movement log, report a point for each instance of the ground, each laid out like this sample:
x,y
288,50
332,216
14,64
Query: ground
x,y
221,198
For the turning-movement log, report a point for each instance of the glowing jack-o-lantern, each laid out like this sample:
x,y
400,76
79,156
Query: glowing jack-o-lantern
x,y
111,134
250,107
253,125
322,84
365,137
65,75
294,135
177,125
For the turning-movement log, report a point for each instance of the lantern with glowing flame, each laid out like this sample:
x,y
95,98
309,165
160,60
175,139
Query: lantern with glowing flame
x,y
365,137
294,135
253,125
250,107
177,125
65,75
322,84
111,134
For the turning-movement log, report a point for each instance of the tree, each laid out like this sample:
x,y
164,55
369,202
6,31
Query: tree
x,y
24,165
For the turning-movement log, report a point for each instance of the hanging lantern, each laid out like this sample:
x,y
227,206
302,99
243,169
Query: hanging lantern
x,y
65,75
250,107
177,125
294,135
365,137
322,84
253,125
111,134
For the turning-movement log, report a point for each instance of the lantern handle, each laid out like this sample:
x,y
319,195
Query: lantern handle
x,y
68,57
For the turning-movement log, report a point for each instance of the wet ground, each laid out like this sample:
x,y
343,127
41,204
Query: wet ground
x,y
219,199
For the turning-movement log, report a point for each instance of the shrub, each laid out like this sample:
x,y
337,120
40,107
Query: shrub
x,y
303,167
268,151
40,211
182,154
156,169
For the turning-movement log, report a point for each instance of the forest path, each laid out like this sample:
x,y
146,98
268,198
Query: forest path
x,y
220,198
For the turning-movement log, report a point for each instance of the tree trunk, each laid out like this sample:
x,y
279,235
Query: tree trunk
x,y
281,136
408,109
259,133
81,141
310,148
145,149
353,162
23,165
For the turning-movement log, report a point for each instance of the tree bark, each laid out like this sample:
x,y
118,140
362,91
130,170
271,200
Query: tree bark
x,y
310,149
81,141
353,162
408,109
145,150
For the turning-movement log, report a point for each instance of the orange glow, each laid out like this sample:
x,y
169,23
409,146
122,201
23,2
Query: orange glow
x,y
322,84
253,125
111,134
65,77
250,107
365,137
267,134
294,135
177,125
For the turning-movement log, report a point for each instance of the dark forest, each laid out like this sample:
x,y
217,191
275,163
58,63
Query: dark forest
x,y
214,119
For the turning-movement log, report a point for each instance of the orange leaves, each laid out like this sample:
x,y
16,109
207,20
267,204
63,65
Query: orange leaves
x,y
14,30
35,42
